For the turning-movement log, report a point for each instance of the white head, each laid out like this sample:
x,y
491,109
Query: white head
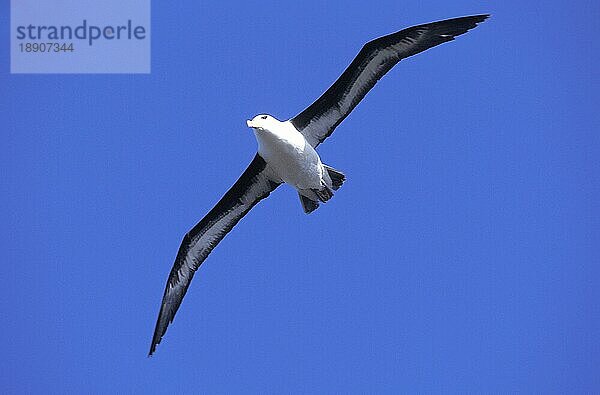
x,y
262,122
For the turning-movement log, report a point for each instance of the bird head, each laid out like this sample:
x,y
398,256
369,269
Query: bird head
x,y
261,122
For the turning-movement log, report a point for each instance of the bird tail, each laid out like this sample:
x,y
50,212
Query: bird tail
x,y
308,205
325,192
337,177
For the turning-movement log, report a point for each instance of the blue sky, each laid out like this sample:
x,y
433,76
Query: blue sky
x,y
458,257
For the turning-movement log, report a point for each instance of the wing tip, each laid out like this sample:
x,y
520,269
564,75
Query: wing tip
x,y
477,19
470,21
165,317
448,29
481,17
155,342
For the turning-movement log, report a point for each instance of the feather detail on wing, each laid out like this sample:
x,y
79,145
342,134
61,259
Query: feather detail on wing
x,y
253,186
374,60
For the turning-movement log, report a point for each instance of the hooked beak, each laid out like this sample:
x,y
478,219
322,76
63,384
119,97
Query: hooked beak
x,y
250,124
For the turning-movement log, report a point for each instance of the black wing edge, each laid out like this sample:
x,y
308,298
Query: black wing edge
x,y
450,28
226,203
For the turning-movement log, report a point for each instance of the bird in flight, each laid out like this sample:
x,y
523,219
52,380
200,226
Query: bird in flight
x,y
286,152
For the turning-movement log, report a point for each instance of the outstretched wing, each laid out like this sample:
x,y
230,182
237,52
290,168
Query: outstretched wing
x,y
375,59
252,186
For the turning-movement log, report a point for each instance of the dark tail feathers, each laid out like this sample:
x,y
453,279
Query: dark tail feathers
x,y
337,177
308,205
325,193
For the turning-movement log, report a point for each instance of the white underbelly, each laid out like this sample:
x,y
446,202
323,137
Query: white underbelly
x,y
294,161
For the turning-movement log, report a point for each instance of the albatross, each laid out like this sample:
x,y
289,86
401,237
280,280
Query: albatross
x,y
286,152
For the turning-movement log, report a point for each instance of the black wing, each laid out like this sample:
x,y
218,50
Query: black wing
x,y
375,59
252,186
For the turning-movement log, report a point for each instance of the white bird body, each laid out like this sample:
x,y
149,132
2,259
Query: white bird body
x,y
290,157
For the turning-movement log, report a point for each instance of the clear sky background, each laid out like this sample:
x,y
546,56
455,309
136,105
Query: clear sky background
x,y
461,254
